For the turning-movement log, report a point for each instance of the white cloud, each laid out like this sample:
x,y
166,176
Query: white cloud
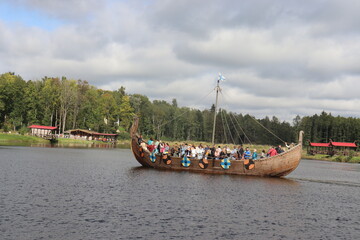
x,y
280,58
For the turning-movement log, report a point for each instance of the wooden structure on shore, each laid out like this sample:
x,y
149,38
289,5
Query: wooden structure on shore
x,y
331,148
46,132
91,135
42,131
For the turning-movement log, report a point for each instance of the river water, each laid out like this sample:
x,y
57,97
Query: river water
x,y
77,193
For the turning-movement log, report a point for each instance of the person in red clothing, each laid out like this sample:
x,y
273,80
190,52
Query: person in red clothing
x,y
272,152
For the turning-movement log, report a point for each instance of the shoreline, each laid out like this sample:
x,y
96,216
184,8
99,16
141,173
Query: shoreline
x,y
11,139
335,158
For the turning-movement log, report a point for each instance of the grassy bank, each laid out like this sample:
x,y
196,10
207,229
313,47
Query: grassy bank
x,y
13,139
21,140
120,143
335,158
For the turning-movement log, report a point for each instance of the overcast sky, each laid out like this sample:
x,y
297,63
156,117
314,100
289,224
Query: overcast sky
x,y
282,58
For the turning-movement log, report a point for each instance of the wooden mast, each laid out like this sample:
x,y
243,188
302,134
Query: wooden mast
x,y
216,105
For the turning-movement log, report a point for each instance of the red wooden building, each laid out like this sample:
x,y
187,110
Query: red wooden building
x,y
42,131
331,148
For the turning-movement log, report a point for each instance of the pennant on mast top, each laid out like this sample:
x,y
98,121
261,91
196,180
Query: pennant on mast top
x,y
221,77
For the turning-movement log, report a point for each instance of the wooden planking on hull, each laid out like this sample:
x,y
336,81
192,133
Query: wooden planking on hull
x,y
276,166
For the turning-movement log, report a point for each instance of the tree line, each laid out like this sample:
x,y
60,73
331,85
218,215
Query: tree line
x,y
72,104
325,128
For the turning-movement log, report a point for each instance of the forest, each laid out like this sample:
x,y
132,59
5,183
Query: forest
x,y
72,104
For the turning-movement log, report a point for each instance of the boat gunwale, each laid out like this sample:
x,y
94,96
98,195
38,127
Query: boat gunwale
x,y
291,161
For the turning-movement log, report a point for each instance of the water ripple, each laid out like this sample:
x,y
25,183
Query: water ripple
x,y
103,194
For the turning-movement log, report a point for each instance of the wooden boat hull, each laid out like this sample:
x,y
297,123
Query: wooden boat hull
x,y
276,166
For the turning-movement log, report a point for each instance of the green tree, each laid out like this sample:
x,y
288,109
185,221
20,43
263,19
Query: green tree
x,y
49,98
67,101
126,113
11,103
108,111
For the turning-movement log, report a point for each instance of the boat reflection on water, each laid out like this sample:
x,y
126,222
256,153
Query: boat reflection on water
x,y
244,179
81,145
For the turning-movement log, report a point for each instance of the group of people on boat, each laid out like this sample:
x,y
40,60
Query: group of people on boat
x,y
205,151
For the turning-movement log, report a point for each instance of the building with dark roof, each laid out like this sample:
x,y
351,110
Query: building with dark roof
x,y
91,135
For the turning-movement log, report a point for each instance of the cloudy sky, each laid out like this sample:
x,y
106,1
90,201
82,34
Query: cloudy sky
x,y
282,58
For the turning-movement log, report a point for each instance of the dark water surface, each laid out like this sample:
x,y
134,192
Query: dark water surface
x,y
72,193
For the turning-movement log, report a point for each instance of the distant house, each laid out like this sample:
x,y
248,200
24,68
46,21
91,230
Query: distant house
x,y
91,135
331,147
343,144
42,131
311,144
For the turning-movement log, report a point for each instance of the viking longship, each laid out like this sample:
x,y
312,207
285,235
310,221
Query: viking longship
x,y
276,166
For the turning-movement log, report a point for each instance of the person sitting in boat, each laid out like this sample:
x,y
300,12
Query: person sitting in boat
x,y
140,139
156,144
217,153
212,152
161,148
223,153
157,148
279,149
173,150
263,154
199,152
228,151
144,146
207,154
188,150
241,152
234,153
193,151
183,149
206,148
151,147
167,148
272,152
151,141
178,151
254,155
247,153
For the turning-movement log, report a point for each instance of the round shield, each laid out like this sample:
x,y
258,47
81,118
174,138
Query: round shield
x,y
185,162
203,163
249,165
225,163
166,159
141,150
152,157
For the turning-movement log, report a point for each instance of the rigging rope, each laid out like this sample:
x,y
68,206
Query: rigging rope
x,y
229,130
238,134
221,115
153,128
253,118
267,129
237,121
239,125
